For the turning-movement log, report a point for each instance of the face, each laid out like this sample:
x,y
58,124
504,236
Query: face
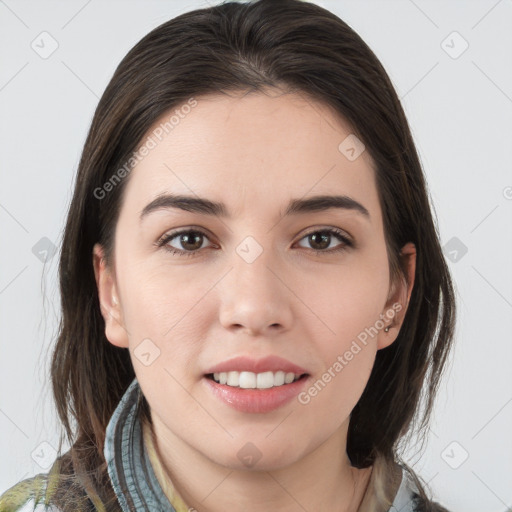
x,y
190,289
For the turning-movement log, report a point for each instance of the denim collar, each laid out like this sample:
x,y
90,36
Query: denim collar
x,y
131,473
129,467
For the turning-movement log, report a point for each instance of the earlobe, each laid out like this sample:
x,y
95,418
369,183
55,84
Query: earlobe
x,y
396,306
110,305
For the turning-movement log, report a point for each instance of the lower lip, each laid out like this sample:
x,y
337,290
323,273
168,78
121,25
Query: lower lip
x,y
256,400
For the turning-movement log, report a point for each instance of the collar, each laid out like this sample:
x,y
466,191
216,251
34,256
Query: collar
x,y
405,499
163,479
130,470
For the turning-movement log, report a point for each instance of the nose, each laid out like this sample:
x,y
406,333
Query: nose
x,y
255,297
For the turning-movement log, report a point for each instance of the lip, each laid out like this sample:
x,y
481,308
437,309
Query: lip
x,y
256,400
247,364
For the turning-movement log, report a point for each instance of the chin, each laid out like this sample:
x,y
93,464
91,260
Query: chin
x,y
257,455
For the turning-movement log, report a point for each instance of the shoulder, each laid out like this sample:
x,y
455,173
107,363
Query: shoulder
x,y
59,490
425,505
411,496
27,495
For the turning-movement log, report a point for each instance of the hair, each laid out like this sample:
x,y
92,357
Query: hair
x,y
293,46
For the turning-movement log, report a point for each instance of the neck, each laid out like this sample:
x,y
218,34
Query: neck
x,y
323,479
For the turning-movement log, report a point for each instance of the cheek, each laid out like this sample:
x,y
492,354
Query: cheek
x,y
332,395
346,301
161,306
159,297
349,306
336,389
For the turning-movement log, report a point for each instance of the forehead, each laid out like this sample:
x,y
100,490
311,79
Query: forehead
x,y
259,148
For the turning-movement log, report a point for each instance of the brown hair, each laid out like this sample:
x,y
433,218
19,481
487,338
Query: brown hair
x,y
295,46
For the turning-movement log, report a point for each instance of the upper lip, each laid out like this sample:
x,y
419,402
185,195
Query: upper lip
x,y
247,364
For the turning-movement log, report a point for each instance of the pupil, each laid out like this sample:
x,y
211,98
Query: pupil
x,y
187,239
324,239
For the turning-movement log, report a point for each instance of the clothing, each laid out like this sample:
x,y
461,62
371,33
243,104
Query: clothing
x,y
135,471
165,483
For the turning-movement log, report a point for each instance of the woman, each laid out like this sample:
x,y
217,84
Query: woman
x,y
253,290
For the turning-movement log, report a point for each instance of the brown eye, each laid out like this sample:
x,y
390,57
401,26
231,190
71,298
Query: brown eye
x,y
186,242
190,240
321,240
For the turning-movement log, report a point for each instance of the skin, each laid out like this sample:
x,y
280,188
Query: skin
x,y
253,152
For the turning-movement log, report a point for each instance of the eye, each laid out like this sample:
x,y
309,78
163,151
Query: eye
x,y
321,240
189,242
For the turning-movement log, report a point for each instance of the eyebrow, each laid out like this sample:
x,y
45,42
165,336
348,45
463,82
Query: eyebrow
x,y
204,206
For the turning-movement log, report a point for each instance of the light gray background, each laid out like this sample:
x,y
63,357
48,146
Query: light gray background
x,y
460,111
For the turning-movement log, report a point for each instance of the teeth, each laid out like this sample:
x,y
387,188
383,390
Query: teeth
x,y
250,380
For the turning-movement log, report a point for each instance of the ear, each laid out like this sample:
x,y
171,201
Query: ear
x,y
394,312
110,303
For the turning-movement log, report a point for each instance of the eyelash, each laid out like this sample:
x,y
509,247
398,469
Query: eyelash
x,y
347,243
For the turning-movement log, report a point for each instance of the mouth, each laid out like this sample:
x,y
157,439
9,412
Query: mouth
x,y
262,395
260,381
